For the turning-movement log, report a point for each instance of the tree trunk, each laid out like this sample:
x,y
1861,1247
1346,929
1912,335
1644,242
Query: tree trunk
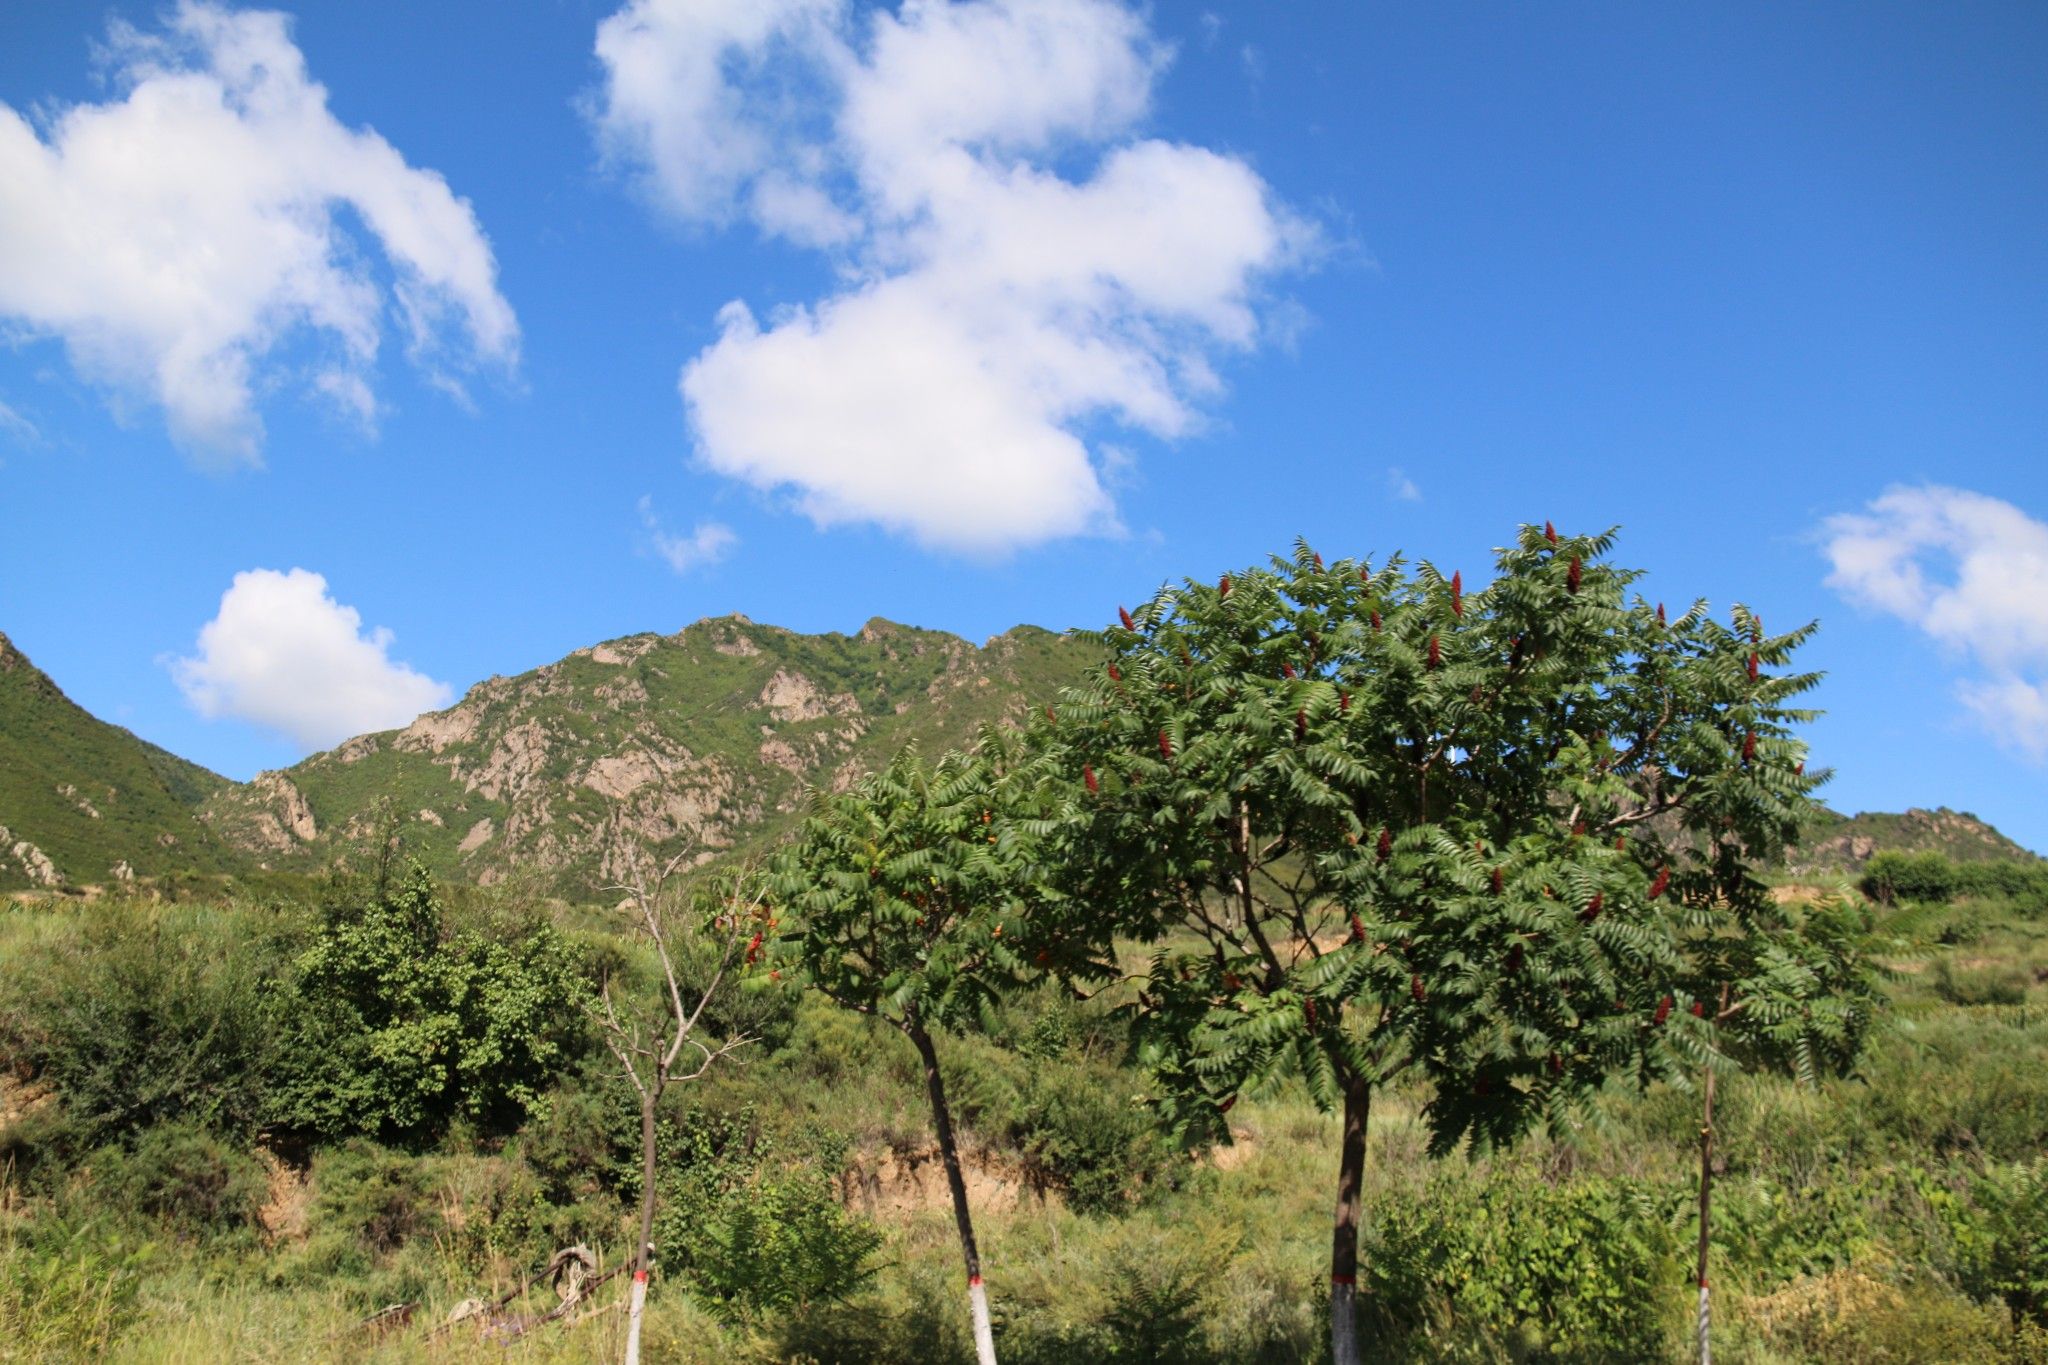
x,y
1706,1350
644,1256
942,1120
1344,1240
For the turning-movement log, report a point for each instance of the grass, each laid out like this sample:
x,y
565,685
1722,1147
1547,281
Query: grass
x,y
1855,1220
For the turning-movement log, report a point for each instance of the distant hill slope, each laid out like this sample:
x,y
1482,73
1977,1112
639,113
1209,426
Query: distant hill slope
x,y
1844,843
703,739
82,801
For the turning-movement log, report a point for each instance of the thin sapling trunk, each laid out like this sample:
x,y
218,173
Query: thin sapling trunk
x,y
1344,1236
956,1181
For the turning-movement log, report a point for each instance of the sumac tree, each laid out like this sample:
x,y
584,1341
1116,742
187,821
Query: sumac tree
x,y
1375,823
919,902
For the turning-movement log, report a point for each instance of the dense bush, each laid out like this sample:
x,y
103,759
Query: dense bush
x,y
2004,1250
1570,1270
751,1224
143,1015
399,1026
184,1177
1892,875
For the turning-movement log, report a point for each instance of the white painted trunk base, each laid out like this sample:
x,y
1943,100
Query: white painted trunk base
x,y
984,1335
1706,1350
633,1317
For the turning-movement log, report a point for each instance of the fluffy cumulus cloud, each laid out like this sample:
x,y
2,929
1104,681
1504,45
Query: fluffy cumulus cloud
x,y
177,235
1969,571
1018,261
282,653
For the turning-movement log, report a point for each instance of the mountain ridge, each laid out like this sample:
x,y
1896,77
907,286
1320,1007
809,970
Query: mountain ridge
x,y
701,742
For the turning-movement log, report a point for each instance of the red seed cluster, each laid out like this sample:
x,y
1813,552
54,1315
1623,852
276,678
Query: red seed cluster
x,y
1699,1011
1436,653
1661,884
1497,881
1125,617
753,948
1115,674
1357,928
1166,746
1343,703
1749,747
1416,989
1663,1011
1753,662
1301,725
1308,1009
1386,848
1375,620
1458,594
1592,910
1571,575
1660,614
1223,586
1550,533
1318,559
1088,776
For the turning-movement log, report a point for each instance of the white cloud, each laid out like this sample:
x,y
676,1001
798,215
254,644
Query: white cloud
x,y
997,301
710,542
1400,486
1969,571
175,236
284,654
18,428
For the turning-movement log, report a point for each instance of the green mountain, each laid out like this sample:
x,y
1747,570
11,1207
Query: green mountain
x,y
82,801
703,740
1844,843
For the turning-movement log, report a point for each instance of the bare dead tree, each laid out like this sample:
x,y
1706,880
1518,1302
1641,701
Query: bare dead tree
x,y
680,918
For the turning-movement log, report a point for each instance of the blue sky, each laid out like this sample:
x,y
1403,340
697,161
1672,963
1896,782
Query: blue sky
x,y
1765,285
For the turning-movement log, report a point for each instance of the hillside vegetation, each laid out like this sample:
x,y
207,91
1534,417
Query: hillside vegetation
x,y
82,801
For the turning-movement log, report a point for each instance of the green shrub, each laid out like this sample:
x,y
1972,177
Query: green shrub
x,y
400,1027
1995,985
1575,1270
67,1291
184,1177
148,1015
751,1224
2004,1249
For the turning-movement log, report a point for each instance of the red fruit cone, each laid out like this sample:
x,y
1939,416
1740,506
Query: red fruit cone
x,y
1660,614
1318,559
1571,575
1749,747
1801,769
1166,746
1436,653
1088,776
1699,1011
1663,1010
1416,988
1301,725
1458,594
1308,1009
1125,617
1658,887
1343,703
1375,620
1550,533
1386,848
1357,928
1232,981
753,949
1496,881
1223,586
1286,670
1753,661
1556,1065
1051,715
1592,910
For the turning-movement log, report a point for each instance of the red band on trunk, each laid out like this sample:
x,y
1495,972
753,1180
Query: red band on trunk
x,y
639,1277
1703,1282
974,1279
1343,1279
